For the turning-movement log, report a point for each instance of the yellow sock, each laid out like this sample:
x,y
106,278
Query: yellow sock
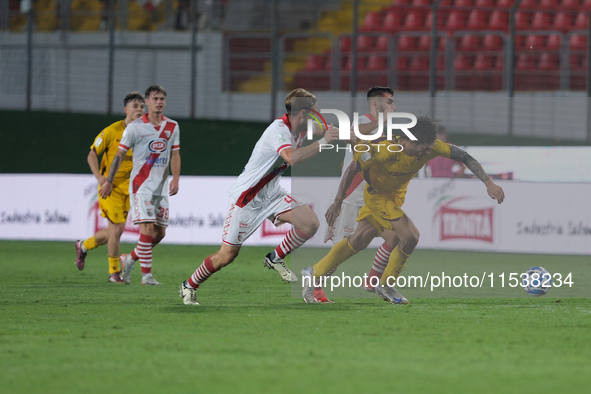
x,y
90,243
340,252
395,265
114,264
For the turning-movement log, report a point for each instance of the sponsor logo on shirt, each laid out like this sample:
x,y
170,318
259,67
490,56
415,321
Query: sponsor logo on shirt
x,y
158,145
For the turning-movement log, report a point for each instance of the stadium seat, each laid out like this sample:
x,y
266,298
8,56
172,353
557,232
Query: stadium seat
x,y
504,3
562,21
413,22
400,2
419,63
553,42
528,5
425,43
540,21
522,20
499,62
576,62
365,43
484,3
314,63
499,20
392,22
464,3
402,63
477,20
421,2
406,43
585,5
581,22
492,42
469,43
361,61
519,41
372,22
548,5
456,20
345,44
525,62
377,63
573,5
463,62
535,42
578,42
549,61
382,43
328,63
484,62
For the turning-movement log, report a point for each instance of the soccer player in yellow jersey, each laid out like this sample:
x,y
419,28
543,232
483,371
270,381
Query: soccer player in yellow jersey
x,y
387,168
116,206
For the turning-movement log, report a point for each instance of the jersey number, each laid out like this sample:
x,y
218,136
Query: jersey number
x,y
163,213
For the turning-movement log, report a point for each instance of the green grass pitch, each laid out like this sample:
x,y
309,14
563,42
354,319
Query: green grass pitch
x,y
66,331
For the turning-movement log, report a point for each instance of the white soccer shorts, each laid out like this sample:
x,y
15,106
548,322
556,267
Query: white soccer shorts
x,y
149,209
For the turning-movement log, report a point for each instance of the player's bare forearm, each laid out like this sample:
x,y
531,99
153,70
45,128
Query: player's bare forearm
x,y
175,169
92,160
346,181
115,164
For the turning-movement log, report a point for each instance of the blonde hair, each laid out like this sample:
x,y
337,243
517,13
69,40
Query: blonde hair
x,y
305,99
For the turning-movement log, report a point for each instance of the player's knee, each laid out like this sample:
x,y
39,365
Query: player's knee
x,y
413,238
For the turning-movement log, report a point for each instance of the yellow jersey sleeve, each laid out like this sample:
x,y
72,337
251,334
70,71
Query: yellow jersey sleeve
x,y
107,143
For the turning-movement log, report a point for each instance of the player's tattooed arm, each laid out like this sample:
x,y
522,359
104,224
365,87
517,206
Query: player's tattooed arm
x,y
494,191
107,186
114,168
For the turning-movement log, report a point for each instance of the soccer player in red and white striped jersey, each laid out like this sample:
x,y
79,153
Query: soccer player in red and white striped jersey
x,y
257,195
155,140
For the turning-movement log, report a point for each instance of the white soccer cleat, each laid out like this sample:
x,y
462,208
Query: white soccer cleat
x,y
281,269
391,295
127,264
149,280
188,294
308,285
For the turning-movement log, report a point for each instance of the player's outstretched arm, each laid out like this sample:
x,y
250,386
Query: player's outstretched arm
x,y
107,186
175,169
93,163
294,156
333,212
494,191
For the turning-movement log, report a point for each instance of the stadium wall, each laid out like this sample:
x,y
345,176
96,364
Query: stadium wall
x,y
450,214
70,75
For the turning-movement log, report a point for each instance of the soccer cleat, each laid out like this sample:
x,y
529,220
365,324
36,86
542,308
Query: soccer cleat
x,y
116,278
80,255
149,280
391,295
308,285
368,288
320,297
127,264
280,268
188,294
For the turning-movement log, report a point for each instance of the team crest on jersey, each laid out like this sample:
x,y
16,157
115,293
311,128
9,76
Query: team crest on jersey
x,y
158,146
167,132
241,236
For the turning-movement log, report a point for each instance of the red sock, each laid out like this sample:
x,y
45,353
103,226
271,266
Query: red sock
x,y
143,252
380,262
293,240
201,274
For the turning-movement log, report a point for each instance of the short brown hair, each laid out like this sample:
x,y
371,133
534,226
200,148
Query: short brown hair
x,y
305,99
135,95
154,89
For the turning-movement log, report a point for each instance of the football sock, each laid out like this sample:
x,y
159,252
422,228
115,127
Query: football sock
x,y
89,244
143,251
134,255
114,264
329,273
201,274
395,265
380,262
340,252
293,240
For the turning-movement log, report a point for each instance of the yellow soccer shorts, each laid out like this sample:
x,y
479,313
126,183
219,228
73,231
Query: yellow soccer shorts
x,y
380,210
115,207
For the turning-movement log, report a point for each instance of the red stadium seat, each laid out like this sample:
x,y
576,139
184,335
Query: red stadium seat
x,y
477,20
328,63
421,2
525,62
392,22
400,2
499,20
576,62
361,61
519,41
382,43
469,43
372,22
314,63
563,21
553,42
528,5
578,42
585,5
407,43
419,63
540,21
549,61
425,43
536,42
581,21
492,42
504,3
463,62
499,62
345,44
484,3
548,5
573,5
414,22
456,20
522,20
377,63
365,43
484,62
402,63
464,3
